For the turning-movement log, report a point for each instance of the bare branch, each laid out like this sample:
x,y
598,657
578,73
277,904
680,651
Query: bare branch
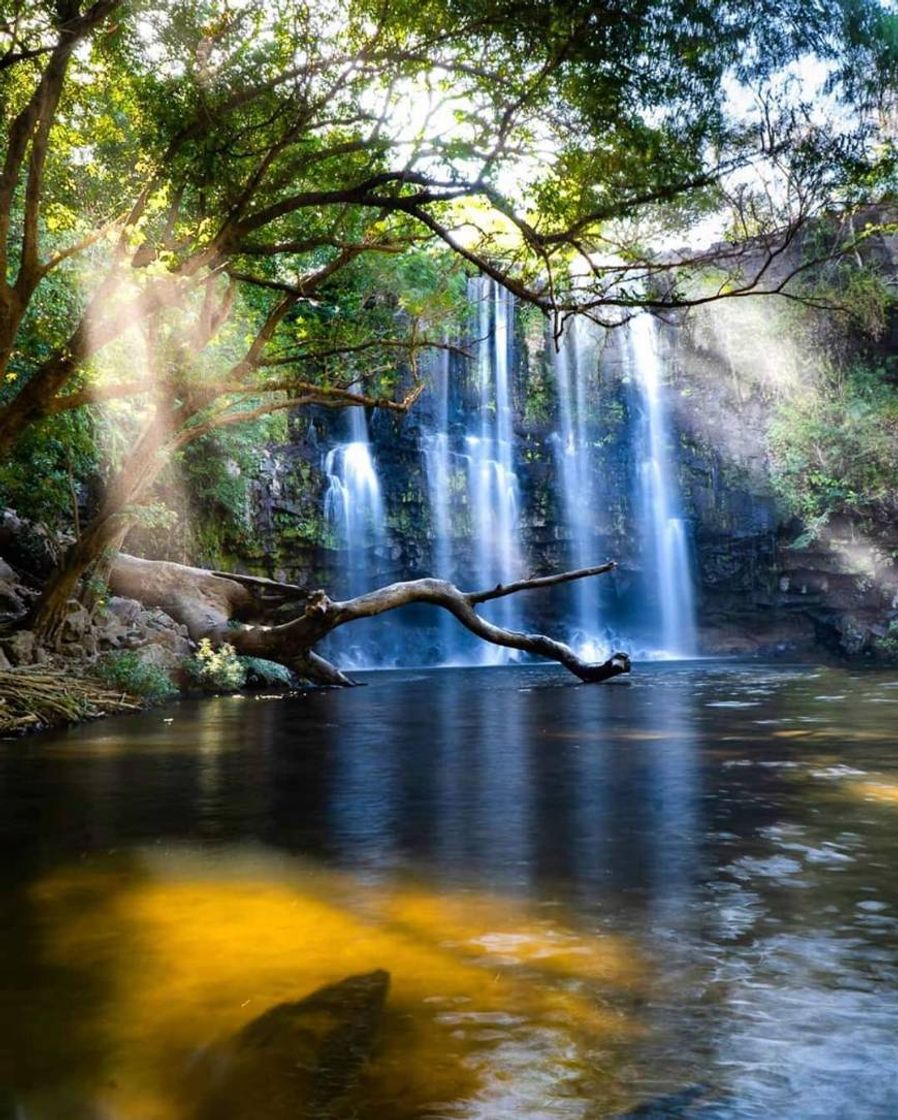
x,y
537,582
207,604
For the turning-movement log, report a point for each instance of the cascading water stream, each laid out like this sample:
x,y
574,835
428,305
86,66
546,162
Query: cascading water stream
x,y
573,361
669,565
473,496
438,463
354,513
486,456
492,482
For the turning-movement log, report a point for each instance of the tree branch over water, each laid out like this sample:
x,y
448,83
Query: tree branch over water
x,y
209,603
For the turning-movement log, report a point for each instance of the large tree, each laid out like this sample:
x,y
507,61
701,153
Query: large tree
x,y
205,207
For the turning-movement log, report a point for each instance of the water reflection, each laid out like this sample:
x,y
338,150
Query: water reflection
x,y
190,949
586,898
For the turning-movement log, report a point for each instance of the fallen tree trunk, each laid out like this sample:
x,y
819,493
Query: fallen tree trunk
x,y
235,609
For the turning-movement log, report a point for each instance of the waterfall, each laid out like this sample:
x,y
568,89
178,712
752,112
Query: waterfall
x,y
438,471
575,360
664,529
472,466
354,513
353,507
438,464
492,482
479,467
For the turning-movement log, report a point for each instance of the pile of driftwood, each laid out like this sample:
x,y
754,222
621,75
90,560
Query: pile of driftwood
x,y
32,698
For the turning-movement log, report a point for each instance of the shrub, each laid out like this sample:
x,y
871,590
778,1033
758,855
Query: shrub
x,y
266,674
887,645
126,670
216,670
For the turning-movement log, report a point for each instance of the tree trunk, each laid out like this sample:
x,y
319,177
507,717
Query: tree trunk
x,y
102,538
106,532
209,604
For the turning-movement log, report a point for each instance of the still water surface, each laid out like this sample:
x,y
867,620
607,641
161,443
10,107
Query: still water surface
x,y
679,888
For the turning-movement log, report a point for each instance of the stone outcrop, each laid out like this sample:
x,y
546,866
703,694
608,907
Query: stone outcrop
x,y
113,624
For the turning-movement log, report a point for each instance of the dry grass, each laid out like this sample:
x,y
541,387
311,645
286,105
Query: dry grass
x,y
33,698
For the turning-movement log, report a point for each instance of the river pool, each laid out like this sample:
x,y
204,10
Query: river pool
x,y
673,895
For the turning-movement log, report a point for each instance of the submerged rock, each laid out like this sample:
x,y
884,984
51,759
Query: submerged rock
x,y
298,1060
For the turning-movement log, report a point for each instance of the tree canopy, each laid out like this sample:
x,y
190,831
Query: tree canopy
x,y
220,209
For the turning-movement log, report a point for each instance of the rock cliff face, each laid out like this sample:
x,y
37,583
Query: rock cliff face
x,y
761,584
763,577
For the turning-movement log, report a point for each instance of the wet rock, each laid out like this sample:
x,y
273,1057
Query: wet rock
x,y
4,662
20,648
76,624
116,626
11,603
123,611
171,637
125,624
110,634
7,574
85,647
160,657
267,674
298,1061
29,546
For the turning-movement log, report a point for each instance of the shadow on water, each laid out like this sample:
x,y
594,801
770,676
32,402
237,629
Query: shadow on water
x,y
299,1058
590,901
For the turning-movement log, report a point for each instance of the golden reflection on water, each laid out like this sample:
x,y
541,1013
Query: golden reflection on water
x,y
623,734
491,999
878,788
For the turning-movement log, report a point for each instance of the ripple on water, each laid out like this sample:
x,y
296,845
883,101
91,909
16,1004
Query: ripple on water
x,y
773,867
733,704
838,771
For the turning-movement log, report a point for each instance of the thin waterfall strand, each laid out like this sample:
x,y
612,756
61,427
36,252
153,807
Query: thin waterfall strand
x,y
492,481
662,518
574,361
354,513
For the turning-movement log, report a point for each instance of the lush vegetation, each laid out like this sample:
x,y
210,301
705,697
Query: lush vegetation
x,y
213,217
216,670
129,672
836,445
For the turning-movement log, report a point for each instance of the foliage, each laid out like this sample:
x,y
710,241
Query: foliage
x,y
887,645
126,670
45,476
855,287
266,673
215,212
835,444
216,669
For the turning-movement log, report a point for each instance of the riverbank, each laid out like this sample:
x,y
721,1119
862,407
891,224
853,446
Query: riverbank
x,y
35,699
